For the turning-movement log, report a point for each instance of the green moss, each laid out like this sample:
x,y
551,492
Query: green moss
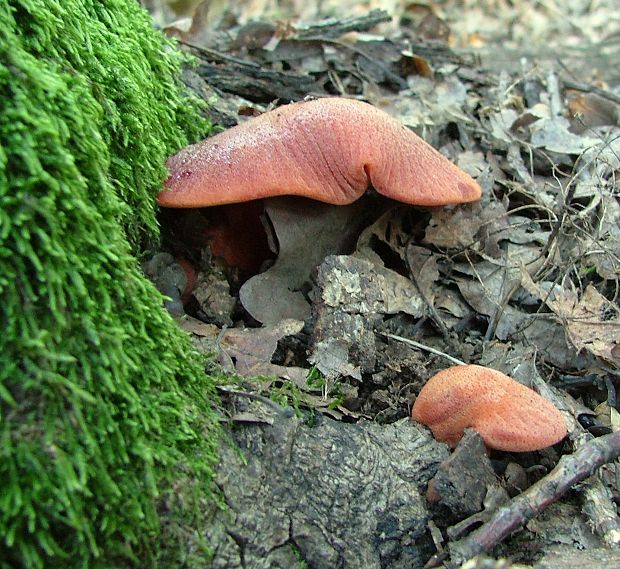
x,y
132,74
102,401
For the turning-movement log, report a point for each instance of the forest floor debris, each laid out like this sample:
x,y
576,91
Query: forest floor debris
x,y
526,281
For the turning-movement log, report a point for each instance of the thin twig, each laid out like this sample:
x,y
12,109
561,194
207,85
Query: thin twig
x,y
215,55
587,88
570,470
599,506
334,28
255,396
423,347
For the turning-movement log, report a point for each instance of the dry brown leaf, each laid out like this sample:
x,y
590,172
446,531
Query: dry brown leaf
x,y
600,245
197,327
251,350
591,322
553,134
423,266
494,285
307,231
457,227
387,230
452,306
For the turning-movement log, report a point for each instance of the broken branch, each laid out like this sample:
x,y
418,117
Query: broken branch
x,y
569,470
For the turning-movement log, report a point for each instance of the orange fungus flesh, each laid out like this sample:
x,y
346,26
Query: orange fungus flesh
x,y
329,150
508,415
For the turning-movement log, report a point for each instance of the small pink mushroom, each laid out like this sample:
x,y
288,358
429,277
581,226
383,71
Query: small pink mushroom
x,y
508,415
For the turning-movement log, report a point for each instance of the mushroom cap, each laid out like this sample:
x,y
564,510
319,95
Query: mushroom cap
x,y
508,415
329,150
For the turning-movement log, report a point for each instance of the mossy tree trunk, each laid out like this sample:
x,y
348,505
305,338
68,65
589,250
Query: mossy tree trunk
x,y
102,401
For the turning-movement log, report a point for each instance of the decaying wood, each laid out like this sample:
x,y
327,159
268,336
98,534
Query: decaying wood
x,y
340,495
257,83
333,28
570,470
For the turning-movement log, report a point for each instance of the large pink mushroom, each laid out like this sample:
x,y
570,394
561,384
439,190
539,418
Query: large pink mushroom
x,y
331,150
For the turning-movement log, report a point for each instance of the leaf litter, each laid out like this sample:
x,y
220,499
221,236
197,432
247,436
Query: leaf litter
x,y
525,281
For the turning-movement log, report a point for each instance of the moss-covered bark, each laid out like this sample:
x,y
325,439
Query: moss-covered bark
x,y
102,400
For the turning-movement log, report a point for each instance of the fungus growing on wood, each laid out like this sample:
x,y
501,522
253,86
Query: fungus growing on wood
x,y
329,150
508,415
